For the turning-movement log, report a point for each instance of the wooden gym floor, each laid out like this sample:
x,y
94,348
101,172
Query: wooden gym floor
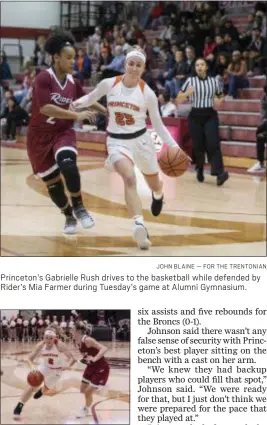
x,y
198,219
110,406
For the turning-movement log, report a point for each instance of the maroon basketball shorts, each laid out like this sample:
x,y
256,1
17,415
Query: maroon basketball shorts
x,y
43,149
96,375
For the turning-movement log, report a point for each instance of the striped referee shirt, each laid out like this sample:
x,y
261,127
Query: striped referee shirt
x,y
205,89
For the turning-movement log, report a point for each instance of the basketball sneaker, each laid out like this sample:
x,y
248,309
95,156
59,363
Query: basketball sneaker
x,y
17,411
38,394
84,217
141,236
70,225
156,205
256,168
83,413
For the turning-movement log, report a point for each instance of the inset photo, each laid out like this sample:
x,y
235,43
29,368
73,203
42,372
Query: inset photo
x,y
65,366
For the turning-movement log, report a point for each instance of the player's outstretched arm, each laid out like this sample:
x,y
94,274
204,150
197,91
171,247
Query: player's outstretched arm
x,y
101,90
156,120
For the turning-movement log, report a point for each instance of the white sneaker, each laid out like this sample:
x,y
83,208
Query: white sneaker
x,y
228,97
141,236
70,227
83,413
256,168
84,217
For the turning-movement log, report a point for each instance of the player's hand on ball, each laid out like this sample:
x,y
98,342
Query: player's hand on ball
x,y
87,115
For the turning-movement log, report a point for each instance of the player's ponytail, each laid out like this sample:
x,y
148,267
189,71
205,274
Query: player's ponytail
x,y
57,42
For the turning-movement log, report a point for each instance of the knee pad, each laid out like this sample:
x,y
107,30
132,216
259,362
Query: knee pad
x,y
67,162
66,159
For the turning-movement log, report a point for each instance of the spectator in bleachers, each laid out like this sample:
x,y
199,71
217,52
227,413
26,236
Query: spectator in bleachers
x,y
3,101
105,59
250,25
5,72
39,55
209,47
211,62
229,28
156,14
7,95
156,47
168,33
94,42
27,85
261,136
237,71
218,19
26,102
229,45
205,24
221,68
134,34
167,108
177,75
123,43
219,44
147,77
256,57
15,117
82,66
116,67
190,59
169,64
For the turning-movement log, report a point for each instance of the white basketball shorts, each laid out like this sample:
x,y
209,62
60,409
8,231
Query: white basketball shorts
x,y
141,151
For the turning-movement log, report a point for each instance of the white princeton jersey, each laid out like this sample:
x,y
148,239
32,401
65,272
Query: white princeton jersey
x,y
127,107
51,357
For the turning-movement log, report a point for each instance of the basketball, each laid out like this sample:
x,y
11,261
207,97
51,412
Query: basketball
x,y
173,161
35,378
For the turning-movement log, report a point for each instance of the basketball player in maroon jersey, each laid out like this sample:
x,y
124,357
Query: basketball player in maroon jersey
x,y
51,141
96,373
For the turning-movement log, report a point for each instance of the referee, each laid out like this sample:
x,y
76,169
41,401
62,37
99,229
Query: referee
x,y
203,90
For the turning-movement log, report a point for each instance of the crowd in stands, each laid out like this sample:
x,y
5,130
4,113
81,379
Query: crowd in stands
x,y
25,328
207,31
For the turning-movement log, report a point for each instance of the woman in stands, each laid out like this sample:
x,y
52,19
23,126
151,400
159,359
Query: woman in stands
x,y
128,142
203,91
51,140
96,373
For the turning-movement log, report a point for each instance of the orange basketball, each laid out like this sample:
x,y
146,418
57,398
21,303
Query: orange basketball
x,y
173,161
35,378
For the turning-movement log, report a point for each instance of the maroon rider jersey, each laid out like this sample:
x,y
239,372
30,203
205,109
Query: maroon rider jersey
x,y
48,89
92,351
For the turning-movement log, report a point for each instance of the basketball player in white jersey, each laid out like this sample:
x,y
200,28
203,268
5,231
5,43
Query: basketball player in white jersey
x,y
49,350
129,143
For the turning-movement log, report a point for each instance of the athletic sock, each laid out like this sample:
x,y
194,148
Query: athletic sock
x,y
138,219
